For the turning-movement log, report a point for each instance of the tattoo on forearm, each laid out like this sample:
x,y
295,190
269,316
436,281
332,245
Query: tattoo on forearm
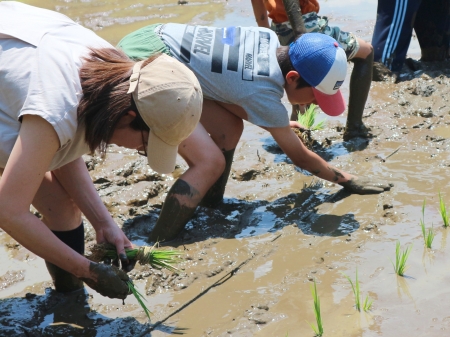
x,y
337,174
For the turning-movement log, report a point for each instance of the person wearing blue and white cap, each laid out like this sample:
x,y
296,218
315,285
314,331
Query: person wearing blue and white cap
x,y
244,72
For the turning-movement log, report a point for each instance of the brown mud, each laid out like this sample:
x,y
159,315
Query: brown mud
x,y
249,263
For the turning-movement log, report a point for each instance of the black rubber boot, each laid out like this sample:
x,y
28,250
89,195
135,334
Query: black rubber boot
x,y
174,216
360,81
214,196
64,281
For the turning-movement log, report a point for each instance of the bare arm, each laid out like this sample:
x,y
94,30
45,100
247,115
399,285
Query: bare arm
x,y
260,13
29,160
304,158
75,179
22,176
308,160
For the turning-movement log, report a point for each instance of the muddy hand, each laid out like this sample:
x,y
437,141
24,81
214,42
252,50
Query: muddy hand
x,y
365,186
107,280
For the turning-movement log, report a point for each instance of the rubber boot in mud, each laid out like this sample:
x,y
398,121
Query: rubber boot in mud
x,y
214,196
174,215
64,281
360,81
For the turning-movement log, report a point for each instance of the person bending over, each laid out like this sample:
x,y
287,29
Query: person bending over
x,y
244,73
66,92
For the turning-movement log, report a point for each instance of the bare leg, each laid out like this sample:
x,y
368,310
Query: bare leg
x,y
206,163
63,217
207,166
360,81
226,140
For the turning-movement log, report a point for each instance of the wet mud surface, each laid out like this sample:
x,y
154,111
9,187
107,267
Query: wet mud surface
x,y
249,263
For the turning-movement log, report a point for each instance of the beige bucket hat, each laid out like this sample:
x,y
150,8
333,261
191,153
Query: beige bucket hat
x,y
169,99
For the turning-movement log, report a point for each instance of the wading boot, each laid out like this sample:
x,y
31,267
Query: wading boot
x,y
360,81
214,196
64,281
175,214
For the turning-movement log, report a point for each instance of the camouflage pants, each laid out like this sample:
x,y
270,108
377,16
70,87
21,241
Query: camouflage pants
x,y
318,24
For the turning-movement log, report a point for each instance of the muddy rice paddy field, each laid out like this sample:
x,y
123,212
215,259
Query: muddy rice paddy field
x,y
248,265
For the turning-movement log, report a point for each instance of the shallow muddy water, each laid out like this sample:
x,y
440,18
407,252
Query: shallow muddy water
x,y
249,264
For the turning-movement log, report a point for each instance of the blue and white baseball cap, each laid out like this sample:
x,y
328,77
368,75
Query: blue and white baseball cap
x,y
322,63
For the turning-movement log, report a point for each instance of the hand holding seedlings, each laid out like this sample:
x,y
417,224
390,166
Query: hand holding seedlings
x,y
107,280
365,186
156,258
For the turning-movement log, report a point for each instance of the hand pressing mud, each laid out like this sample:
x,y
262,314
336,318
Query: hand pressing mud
x,y
107,280
365,186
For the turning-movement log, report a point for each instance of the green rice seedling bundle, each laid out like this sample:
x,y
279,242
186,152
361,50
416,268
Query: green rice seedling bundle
x,y
318,330
428,236
400,259
152,256
443,210
308,119
355,287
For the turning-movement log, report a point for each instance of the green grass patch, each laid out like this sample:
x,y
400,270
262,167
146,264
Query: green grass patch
x,y
400,259
308,119
428,235
443,210
318,329
356,291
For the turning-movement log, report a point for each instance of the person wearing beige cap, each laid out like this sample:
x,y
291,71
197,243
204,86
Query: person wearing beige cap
x,y
65,92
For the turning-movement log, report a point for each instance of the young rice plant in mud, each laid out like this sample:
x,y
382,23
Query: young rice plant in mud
x,y
308,119
400,259
355,287
428,236
318,330
443,210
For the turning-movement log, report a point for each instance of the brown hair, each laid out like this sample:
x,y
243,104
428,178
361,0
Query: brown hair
x,y
104,77
286,66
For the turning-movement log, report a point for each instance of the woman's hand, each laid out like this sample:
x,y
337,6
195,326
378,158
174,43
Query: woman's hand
x,y
112,234
365,186
107,280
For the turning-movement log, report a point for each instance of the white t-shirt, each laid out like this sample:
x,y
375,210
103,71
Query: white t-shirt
x,y
236,65
40,57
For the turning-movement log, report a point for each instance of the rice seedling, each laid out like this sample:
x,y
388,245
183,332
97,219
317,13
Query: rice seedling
x,y
308,119
140,298
318,330
400,259
355,287
367,304
443,210
428,236
156,258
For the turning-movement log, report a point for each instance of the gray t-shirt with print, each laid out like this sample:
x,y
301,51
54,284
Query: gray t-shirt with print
x,y
235,65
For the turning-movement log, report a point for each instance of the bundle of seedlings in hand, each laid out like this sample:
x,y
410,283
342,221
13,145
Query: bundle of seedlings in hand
x,y
428,236
308,119
443,210
139,297
156,258
400,259
319,328
367,302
